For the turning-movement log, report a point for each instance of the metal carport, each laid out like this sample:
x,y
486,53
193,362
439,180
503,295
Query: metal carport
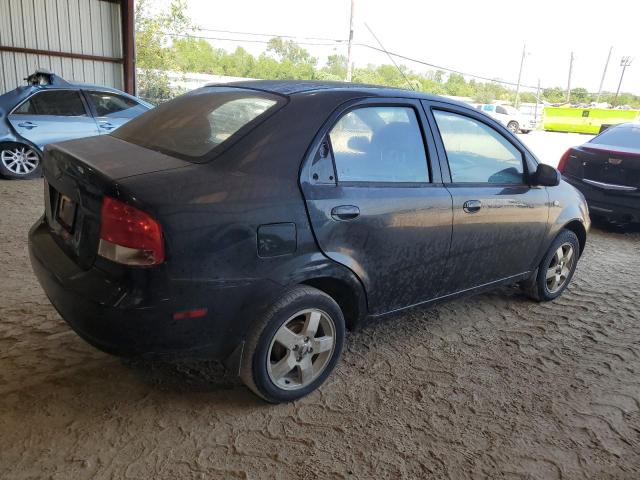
x,y
88,41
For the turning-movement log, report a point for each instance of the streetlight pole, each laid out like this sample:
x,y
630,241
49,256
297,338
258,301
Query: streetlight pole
x,y
624,63
524,53
569,80
349,48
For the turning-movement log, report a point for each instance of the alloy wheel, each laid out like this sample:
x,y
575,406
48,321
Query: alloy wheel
x,y
301,349
560,267
19,160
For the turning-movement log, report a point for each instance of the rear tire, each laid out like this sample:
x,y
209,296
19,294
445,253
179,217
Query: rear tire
x,y
19,161
294,347
556,269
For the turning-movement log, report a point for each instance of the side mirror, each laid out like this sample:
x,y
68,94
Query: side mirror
x,y
546,176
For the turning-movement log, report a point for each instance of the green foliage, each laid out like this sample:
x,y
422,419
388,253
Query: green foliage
x,y
580,95
554,95
336,67
154,55
285,59
490,91
195,55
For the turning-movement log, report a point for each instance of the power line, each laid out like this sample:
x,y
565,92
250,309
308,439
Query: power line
x,y
438,67
337,40
390,57
239,40
365,45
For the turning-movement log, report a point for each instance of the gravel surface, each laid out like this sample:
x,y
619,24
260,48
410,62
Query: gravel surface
x,y
493,386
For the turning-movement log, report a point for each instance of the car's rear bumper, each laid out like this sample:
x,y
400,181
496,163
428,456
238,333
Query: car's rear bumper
x,y
612,204
95,305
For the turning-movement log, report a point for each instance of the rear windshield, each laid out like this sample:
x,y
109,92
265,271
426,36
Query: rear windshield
x,y
626,137
192,126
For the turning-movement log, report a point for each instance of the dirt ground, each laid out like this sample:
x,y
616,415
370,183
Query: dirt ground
x,y
493,386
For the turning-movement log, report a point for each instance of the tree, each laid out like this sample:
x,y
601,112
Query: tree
x,y
153,55
336,67
240,63
580,95
196,55
554,95
288,50
457,86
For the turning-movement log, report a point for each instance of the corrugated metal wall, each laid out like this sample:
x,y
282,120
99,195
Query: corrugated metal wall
x,y
85,27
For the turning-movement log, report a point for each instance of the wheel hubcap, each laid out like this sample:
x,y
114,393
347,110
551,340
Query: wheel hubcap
x,y
19,160
560,267
301,349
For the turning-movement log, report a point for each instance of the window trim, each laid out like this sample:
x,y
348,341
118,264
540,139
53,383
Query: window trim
x,y
375,102
87,110
432,106
94,113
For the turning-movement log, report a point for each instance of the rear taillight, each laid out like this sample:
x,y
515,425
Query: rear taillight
x,y
563,160
128,235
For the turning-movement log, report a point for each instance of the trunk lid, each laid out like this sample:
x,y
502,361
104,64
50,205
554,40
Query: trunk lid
x,y
606,167
78,174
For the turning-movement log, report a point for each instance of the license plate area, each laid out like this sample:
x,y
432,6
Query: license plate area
x,y
66,212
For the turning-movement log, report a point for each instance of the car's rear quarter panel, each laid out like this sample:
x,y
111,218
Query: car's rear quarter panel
x,y
210,214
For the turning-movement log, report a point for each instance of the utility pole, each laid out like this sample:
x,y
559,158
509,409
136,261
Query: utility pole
x,y
604,73
569,80
524,53
535,111
349,48
624,63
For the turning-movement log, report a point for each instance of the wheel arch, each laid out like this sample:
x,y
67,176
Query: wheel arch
x,y
579,229
347,292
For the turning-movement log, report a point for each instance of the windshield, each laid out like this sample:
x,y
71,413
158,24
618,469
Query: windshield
x,y
194,125
627,136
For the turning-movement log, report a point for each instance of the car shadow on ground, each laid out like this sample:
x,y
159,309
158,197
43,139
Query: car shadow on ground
x,y
615,227
210,376
183,376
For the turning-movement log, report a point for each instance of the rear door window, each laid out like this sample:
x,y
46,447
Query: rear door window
x,y
193,125
476,152
379,144
112,105
62,103
625,137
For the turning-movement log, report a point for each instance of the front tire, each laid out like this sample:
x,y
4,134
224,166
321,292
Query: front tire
x,y
19,161
513,127
294,347
556,270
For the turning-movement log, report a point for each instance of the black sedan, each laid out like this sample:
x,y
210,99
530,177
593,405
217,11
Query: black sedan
x,y
255,222
606,170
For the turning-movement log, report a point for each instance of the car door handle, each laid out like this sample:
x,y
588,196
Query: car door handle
x,y
107,126
27,125
472,206
345,212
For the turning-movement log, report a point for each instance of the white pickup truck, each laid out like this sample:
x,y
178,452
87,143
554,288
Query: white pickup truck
x,y
509,117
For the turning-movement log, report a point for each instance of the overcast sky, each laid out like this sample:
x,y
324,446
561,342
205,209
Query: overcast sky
x,y
480,37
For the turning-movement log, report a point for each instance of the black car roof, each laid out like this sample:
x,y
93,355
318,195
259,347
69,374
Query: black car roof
x,y
293,87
